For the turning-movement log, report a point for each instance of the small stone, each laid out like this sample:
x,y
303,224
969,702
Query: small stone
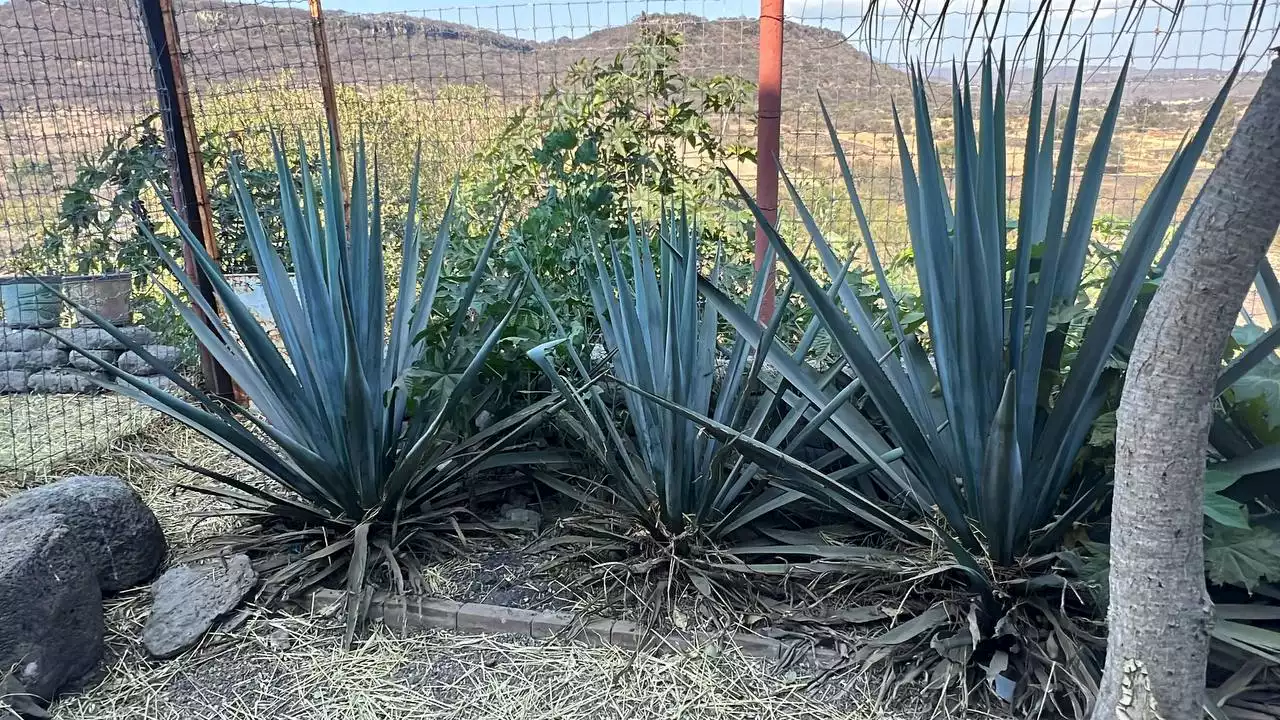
x,y
89,338
82,362
61,381
51,626
167,356
523,517
133,364
139,334
118,533
20,340
189,599
13,381
46,359
279,640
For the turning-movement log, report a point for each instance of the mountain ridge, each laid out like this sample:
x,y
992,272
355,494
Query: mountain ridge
x,y
94,53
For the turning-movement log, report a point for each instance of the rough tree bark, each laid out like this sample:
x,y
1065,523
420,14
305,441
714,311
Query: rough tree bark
x,y
1160,610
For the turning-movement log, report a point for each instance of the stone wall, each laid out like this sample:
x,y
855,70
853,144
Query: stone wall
x,y
38,361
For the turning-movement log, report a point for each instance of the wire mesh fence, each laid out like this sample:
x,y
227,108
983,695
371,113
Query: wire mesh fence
x,y
80,138
75,78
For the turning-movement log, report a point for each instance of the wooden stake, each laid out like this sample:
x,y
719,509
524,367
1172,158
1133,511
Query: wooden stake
x,y
330,101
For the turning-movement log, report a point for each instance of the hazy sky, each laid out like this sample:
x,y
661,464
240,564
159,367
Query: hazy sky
x,y
1208,35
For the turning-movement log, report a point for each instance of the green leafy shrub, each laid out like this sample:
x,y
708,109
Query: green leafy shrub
x,y
111,209
615,139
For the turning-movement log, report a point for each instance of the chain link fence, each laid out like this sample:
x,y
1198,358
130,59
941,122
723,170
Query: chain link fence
x,y
80,136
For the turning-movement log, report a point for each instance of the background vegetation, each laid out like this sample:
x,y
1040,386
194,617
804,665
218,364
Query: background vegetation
x,y
579,191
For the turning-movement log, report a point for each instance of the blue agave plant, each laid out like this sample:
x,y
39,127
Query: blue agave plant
x,y
694,411
992,450
352,469
990,406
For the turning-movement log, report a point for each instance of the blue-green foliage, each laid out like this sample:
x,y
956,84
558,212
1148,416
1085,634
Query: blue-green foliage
x,y
992,422
330,421
701,435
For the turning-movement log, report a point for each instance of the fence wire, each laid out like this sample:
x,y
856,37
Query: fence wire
x,y
76,77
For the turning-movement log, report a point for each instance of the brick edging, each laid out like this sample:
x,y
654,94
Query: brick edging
x,y
414,612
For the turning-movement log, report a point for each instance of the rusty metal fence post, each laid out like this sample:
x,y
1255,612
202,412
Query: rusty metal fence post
x,y
186,167
768,130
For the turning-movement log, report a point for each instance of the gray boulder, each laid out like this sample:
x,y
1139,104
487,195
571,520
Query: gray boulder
x,y
82,362
33,359
13,381
118,533
190,599
60,381
166,355
133,364
89,338
139,334
51,626
43,359
21,340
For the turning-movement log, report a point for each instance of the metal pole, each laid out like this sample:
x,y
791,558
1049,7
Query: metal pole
x,y
768,129
330,99
186,167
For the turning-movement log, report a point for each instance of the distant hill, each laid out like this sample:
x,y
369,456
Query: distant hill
x,y
1166,85
93,52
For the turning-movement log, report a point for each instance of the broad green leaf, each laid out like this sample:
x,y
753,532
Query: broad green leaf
x,y
1245,558
1225,511
1220,508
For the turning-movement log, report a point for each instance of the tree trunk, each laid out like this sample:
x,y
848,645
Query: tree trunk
x,y
1160,609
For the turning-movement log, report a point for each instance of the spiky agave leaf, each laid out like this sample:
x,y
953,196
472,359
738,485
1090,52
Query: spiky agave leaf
x,y
1239,432
329,421
701,450
991,453
662,344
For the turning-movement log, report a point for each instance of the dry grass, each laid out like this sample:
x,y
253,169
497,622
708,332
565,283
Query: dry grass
x,y
291,667
37,432
126,456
